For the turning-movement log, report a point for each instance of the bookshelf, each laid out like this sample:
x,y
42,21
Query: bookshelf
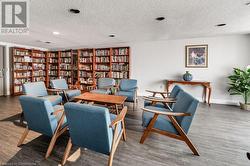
x,y
66,66
22,69
80,65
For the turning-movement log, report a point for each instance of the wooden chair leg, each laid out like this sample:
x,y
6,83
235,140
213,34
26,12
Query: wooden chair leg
x,y
148,129
124,131
111,157
67,151
51,145
25,133
191,146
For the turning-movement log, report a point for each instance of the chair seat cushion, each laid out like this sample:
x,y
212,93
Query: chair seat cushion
x,y
101,91
112,117
128,94
73,93
149,103
54,99
162,122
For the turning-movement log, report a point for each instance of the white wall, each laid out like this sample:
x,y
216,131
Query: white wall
x,y
7,64
154,62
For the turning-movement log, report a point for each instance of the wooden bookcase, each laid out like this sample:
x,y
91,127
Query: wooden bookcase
x,y
83,65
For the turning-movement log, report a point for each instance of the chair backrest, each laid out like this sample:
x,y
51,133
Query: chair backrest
x,y
59,84
105,82
38,114
175,91
37,89
187,104
128,84
89,126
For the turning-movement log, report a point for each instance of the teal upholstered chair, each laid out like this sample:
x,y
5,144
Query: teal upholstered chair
x,y
38,89
43,118
128,88
94,128
175,91
68,92
174,123
104,85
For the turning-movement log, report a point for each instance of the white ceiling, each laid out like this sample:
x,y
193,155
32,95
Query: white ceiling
x,y
130,21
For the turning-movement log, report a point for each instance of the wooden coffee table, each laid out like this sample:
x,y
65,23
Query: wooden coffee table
x,y
102,99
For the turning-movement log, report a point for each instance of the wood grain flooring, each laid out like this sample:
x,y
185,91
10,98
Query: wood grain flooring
x,y
221,134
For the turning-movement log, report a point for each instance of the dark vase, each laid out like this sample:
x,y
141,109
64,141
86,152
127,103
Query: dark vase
x,y
187,76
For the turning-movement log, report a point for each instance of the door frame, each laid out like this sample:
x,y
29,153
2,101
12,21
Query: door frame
x,y
5,70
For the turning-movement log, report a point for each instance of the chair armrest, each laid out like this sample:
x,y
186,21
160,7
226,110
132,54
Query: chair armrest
x,y
162,100
55,90
159,92
120,117
167,113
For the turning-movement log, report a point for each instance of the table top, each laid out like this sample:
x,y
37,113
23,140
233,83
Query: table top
x,y
101,98
189,82
153,91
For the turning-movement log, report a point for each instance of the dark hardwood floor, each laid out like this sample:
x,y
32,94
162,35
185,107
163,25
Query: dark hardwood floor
x,y
221,134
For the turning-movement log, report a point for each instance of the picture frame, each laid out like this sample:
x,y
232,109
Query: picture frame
x,y
196,56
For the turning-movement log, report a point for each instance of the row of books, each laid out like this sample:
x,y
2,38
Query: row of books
x,y
36,60
120,58
66,60
104,52
86,60
39,66
101,74
85,74
39,73
87,88
36,79
64,66
85,67
121,67
22,80
65,73
18,88
119,75
20,52
23,59
102,67
66,54
20,66
53,55
22,74
53,67
52,60
38,54
102,59
53,73
120,51
86,53
86,80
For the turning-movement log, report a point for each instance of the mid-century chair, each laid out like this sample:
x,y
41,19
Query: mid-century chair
x,y
174,123
69,92
43,118
128,88
94,128
175,91
104,85
38,89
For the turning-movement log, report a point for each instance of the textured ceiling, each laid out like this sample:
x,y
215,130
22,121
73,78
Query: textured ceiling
x,y
130,21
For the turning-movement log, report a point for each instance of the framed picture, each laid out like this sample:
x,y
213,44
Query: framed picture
x,y
197,56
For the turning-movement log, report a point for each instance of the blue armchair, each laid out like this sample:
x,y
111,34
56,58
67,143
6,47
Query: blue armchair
x,y
68,92
43,118
104,86
94,128
175,91
38,89
128,88
174,123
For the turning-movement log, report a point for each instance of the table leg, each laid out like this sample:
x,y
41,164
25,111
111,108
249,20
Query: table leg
x,y
167,86
116,109
163,95
209,94
205,94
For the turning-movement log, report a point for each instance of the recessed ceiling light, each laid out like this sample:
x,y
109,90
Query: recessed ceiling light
x,y
160,18
56,33
112,35
75,11
221,25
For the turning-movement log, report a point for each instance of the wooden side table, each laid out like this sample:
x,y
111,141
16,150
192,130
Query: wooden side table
x,y
207,89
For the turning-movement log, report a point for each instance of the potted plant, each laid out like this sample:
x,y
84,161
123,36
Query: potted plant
x,y
240,85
